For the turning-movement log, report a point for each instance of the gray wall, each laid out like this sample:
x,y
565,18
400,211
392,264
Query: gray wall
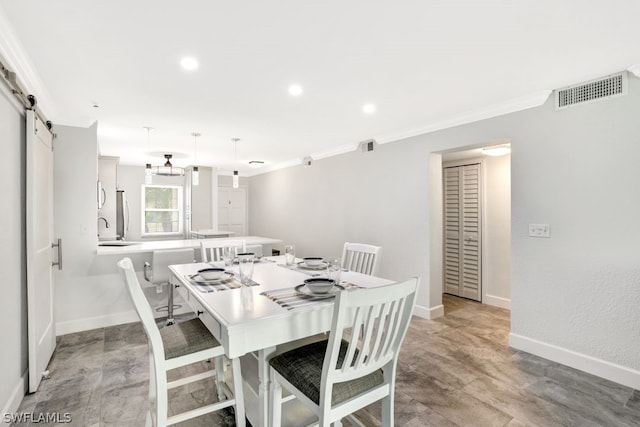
x,y
575,293
377,197
13,291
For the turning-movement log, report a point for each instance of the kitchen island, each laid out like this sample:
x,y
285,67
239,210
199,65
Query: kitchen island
x,y
90,293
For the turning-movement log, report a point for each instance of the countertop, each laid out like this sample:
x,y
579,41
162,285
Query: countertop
x,y
211,233
150,246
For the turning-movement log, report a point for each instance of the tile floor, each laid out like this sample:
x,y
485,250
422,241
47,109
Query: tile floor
x,y
454,371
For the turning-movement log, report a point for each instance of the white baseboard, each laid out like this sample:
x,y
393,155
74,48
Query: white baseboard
x,y
497,301
601,368
88,323
428,313
15,399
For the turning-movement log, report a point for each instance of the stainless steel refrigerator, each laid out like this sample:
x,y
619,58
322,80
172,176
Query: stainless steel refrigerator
x,y
122,215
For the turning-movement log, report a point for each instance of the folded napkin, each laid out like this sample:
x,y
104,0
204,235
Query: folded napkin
x,y
291,299
309,272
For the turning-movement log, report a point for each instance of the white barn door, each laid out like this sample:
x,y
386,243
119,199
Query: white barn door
x,y
462,224
39,207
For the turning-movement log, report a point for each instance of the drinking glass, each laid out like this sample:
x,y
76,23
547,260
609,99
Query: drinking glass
x,y
228,255
246,294
333,270
245,261
290,254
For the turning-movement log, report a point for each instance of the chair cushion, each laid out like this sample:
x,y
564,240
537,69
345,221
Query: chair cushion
x,y
302,367
185,338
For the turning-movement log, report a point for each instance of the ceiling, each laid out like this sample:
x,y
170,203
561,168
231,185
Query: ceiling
x,y
423,64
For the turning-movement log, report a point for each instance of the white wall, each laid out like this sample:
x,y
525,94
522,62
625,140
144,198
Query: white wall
x,y
574,296
13,294
496,288
201,201
89,292
579,290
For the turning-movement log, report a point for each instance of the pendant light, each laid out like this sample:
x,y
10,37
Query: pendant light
x,y
236,178
194,172
148,173
168,169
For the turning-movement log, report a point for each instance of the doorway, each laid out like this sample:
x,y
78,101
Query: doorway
x,y
462,251
495,223
232,210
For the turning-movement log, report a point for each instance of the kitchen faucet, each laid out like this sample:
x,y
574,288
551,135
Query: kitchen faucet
x,y
106,223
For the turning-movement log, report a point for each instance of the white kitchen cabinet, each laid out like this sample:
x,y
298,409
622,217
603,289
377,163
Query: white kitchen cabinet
x,y
108,182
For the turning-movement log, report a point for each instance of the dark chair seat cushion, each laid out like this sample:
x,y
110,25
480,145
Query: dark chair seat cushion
x,y
302,367
185,338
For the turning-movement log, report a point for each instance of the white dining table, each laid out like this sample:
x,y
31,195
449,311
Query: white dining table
x,y
259,331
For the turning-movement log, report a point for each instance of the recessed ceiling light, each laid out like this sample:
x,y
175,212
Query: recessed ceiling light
x,y
295,90
256,163
499,150
189,63
369,108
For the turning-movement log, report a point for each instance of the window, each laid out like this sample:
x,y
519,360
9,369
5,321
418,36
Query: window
x,y
162,213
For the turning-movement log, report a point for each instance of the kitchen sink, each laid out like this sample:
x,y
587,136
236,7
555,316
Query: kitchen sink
x,y
117,243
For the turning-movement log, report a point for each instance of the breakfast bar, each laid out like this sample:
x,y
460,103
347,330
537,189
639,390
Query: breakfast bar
x,y
119,247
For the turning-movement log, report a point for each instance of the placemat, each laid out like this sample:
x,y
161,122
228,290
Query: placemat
x,y
291,299
230,283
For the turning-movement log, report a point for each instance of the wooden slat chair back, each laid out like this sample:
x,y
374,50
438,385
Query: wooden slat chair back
x,y
361,258
180,345
357,362
211,249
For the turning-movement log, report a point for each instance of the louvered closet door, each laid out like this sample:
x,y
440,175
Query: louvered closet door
x,y
462,220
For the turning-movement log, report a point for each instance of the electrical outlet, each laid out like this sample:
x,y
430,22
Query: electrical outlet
x,y
539,230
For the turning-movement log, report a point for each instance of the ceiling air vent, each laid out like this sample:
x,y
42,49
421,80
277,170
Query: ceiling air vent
x,y
594,90
368,145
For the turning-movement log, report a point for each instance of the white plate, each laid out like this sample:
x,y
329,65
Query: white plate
x,y
321,266
225,276
332,292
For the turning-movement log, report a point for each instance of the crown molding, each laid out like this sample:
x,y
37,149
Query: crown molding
x,y
635,70
16,57
275,167
517,104
346,148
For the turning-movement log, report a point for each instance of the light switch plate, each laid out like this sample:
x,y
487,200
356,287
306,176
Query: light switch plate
x,y
539,230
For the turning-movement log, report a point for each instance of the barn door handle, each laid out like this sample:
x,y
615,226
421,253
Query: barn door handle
x,y
58,245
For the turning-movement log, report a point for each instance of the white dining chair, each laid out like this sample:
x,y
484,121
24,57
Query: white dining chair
x,y
211,249
180,345
157,273
356,366
361,258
